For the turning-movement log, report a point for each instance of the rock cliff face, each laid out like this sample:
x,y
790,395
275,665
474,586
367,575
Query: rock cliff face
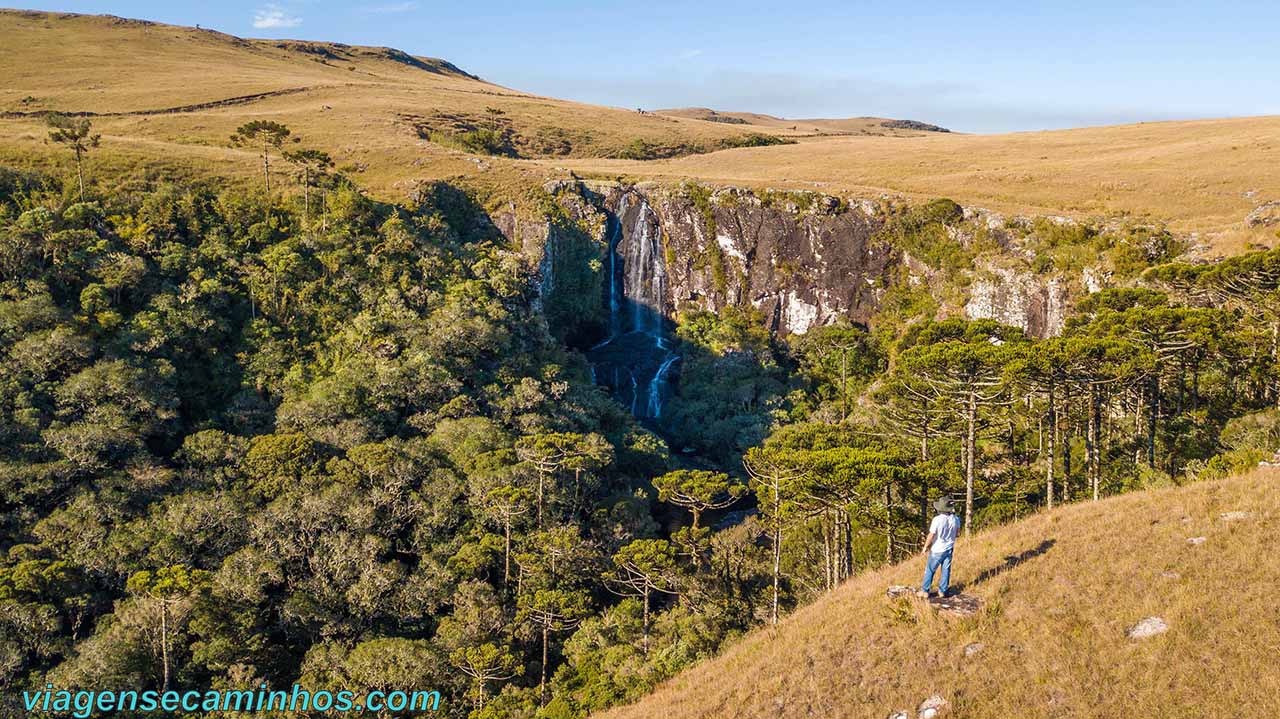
x,y
801,259
619,262
1023,299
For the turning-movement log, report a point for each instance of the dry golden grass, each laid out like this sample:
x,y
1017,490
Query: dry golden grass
x,y
1053,625
1196,176
366,105
789,127
363,105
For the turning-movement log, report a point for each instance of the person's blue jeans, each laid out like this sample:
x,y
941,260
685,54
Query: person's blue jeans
x,y
941,560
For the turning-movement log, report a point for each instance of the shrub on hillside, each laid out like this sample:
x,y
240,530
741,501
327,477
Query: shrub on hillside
x,y
1152,478
1221,466
1137,248
922,230
639,149
754,139
942,210
1258,431
483,141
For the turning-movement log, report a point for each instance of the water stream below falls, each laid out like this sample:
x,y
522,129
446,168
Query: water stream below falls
x,y
636,361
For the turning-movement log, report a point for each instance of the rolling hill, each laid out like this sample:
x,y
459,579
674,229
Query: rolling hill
x,y
1059,592
391,119
879,126
162,94
1197,176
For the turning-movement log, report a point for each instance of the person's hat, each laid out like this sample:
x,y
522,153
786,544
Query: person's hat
x,y
943,504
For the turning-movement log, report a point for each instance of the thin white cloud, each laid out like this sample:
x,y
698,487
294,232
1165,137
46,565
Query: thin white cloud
x,y
689,54
391,8
273,16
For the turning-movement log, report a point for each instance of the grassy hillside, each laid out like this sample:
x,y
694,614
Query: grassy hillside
x,y
391,120
172,95
1053,625
1197,176
880,126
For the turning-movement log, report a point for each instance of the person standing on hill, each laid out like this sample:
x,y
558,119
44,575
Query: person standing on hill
x,y
938,546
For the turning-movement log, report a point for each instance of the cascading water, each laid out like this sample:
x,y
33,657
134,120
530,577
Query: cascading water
x,y
645,287
658,384
615,235
637,291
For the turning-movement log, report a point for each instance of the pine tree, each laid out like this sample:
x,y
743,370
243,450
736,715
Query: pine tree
x,y
263,134
76,134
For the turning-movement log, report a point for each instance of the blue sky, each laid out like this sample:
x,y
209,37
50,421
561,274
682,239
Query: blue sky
x,y
977,67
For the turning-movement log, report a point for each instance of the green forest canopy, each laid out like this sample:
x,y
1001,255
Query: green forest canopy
x,y
254,439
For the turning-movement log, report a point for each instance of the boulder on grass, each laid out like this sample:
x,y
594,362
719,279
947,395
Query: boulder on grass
x,y
959,604
900,590
932,707
1149,627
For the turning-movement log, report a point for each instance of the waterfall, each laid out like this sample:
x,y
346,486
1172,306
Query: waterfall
x,y
645,271
615,237
657,384
637,346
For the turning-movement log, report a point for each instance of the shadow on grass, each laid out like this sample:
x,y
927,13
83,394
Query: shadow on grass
x,y
1009,562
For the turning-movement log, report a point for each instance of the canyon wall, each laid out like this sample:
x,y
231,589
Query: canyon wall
x,y
618,263
803,259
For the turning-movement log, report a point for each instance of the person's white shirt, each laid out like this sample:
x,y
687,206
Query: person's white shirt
x,y
944,529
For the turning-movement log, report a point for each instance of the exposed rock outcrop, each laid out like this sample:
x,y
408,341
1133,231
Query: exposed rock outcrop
x,y
802,266
898,591
912,125
1264,215
960,605
1149,627
619,262
932,707
803,259
1020,298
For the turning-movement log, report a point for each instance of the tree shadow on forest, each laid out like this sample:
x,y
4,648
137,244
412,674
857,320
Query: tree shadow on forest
x,y
1010,562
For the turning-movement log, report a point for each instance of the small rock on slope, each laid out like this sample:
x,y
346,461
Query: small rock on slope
x,y
1148,627
899,590
932,706
1196,540
1264,215
974,648
961,604
1233,516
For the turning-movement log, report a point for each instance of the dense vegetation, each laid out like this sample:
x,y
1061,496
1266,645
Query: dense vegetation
x,y
494,133
641,149
250,439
